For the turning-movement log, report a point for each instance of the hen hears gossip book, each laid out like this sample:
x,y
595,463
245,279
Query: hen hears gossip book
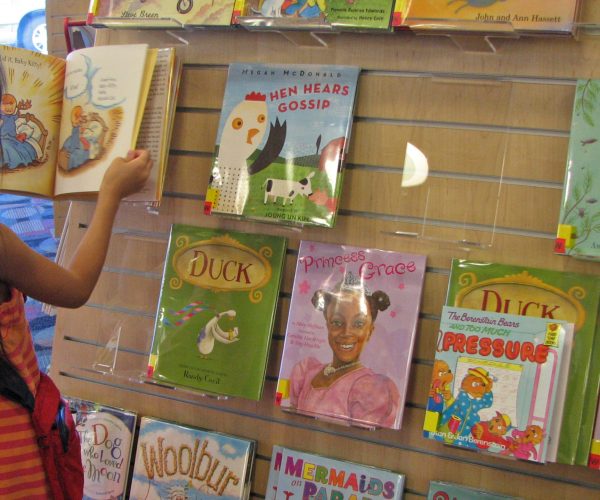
x,y
64,121
216,310
350,334
281,143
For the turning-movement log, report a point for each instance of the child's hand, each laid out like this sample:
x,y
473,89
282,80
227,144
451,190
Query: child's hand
x,y
126,176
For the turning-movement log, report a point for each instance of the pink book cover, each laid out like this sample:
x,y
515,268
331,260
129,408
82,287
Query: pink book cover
x,y
350,334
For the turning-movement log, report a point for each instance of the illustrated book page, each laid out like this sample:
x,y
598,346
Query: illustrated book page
x,y
178,461
216,310
350,334
540,16
494,382
158,13
106,435
549,294
579,221
304,475
281,143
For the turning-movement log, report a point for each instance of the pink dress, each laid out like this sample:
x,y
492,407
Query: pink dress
x,y
360,395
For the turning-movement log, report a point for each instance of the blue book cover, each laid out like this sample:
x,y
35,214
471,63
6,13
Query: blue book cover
x,y
281,144
106,435
304,475
496,381
440,490
179,461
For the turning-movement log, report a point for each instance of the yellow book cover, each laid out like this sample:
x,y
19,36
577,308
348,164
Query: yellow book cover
x,y
482,15
63,121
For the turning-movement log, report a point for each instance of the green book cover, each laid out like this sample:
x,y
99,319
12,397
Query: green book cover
x,y
216,310
548,294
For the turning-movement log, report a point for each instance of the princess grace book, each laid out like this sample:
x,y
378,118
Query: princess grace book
x,y
350,333
550,294
179,461
578,231
297,474
106,435
216,310
494,382
282,140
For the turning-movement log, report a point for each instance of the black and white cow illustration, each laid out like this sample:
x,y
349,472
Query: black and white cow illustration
x,y
287,189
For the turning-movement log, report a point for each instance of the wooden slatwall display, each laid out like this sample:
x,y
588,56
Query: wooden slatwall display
x,y
496,178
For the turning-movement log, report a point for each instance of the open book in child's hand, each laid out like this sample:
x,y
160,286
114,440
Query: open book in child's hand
x,y
62,122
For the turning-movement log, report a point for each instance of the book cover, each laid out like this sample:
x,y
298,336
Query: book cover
x,y
594,458
274,467
399,13
308,475
160,14
441,490
216,310
579,221
350,333
537,16
64,121
281,143
106,435
548,294
373,15
179,461
494,382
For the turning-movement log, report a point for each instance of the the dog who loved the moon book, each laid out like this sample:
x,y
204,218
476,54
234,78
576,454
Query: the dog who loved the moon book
x,y
216,310
281,144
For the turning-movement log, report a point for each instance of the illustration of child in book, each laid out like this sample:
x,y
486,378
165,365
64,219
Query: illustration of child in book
x,y
490,434
17,151
522,443
345,388
475,394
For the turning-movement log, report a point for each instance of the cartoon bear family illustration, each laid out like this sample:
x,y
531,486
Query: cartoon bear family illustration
x,y
460,423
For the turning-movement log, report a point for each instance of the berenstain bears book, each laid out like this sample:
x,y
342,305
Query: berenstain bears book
x,y
440,490
531,16
179,461
106,435
554,295
216,310
281,144
579,221
63,122
494,382
298,474
160,13
350,334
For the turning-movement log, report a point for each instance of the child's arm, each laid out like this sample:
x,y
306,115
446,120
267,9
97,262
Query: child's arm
x,y
70,286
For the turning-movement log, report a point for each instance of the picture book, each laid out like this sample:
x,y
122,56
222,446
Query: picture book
x,y
440,490
106,435
594,458
399,13
160,14
350,333
216,310
532,16
494,382
554,295
339,14
579,221
179,461
299,474
281,143
63,122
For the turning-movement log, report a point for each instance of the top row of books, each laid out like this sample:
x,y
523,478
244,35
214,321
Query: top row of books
x,y
531,16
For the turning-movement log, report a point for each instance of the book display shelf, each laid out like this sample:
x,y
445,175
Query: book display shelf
x,y
458,150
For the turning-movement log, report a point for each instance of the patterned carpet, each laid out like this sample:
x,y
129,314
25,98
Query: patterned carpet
x,y
33,220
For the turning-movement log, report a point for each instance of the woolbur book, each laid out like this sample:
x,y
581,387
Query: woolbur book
x,y
297,474
350,334
106,435
579,221
63,121
174,460
160,14
494,382
548,294
216,310
281,144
